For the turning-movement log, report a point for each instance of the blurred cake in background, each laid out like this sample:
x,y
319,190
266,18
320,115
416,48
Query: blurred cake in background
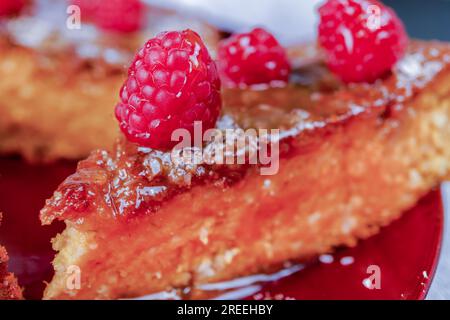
x,y
58,81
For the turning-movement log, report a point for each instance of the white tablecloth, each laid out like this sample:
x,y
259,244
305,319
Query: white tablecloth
x,y
292,21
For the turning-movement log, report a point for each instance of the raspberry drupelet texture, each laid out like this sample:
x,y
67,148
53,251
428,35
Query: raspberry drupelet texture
x,y
113,15
171,83
253,58
8,7
363,39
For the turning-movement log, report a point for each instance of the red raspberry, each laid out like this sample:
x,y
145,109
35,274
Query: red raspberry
x,y
88,7
253,58
8,7
113,15
362,39
120,15
172,82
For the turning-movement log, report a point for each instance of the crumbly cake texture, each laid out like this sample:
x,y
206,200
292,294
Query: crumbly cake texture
x,y
9,287
364,155
56,100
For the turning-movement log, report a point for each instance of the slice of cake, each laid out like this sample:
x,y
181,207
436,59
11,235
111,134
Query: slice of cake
x,y
9,288
352,159
58,83
348,159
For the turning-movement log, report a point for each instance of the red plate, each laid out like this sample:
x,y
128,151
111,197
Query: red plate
x,y
406,252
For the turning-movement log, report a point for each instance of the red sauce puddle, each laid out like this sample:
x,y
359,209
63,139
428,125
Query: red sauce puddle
x,y
406,251
23,191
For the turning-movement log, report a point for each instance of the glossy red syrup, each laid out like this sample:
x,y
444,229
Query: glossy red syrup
x,y
406,251
23,191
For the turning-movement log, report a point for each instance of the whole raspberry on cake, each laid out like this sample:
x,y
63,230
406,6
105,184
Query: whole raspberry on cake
x,y
171,83
252,58
363,39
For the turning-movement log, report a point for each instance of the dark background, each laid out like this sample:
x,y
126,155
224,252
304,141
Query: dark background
x,y
424,19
